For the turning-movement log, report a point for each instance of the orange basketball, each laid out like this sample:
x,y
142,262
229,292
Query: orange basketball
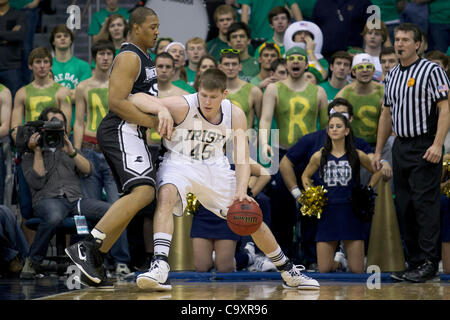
x,y
244,218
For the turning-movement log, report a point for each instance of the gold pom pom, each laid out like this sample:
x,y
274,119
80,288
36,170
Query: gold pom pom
x,y
192,204
446,190
313,200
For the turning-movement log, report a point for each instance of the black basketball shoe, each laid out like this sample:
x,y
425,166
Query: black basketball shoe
x,y
87,257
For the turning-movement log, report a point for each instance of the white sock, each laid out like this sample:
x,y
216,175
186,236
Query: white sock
x,y
161,243
97,234
277,257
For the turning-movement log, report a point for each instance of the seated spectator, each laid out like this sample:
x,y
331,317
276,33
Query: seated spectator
x,y
178,52
224,16
13,245
205,63
239,38
99,19
195,50
279,69
56,193
13,31
308,36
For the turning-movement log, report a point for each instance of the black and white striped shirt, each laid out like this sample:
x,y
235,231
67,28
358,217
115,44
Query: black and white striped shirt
x,y
412,93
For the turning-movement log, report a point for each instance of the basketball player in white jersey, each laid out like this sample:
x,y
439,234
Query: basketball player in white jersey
x,y
195,162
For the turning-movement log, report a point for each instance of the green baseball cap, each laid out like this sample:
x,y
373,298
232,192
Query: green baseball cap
x,y
296,50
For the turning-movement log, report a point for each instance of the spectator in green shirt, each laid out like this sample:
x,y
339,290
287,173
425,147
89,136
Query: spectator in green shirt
x,y
340,67
255,12
223,16
97,23
195,50
279,20
239,38
68,70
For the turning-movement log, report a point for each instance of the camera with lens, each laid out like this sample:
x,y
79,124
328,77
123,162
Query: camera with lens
x,y
52,134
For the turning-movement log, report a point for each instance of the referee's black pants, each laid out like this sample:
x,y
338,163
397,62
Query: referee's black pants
x,y
417,188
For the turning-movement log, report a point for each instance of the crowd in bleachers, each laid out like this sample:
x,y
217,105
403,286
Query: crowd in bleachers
x,y
290,65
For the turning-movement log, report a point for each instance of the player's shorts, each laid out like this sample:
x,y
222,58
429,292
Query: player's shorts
x,y
213,185
126,152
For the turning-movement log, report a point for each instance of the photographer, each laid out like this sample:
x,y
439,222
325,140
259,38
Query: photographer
x,y
53,174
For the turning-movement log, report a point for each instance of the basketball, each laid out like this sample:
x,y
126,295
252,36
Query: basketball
x,y
244,218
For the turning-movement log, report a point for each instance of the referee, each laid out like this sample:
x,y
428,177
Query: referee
x,y
416,108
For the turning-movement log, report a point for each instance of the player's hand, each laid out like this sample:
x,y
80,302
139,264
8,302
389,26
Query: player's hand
x,y
241,196
376,162
165,125
386,170
433,154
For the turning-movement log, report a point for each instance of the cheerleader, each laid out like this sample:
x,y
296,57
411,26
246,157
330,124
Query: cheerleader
x,y
336,166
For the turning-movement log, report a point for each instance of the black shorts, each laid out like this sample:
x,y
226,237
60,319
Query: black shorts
x,y
126,152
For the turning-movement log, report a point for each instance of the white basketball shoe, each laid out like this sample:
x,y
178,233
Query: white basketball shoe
x,y
294,279
157,277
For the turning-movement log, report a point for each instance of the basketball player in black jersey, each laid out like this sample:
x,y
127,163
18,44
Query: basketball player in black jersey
x,y
121,136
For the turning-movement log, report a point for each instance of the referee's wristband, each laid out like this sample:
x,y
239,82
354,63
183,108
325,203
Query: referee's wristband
x,y
296,192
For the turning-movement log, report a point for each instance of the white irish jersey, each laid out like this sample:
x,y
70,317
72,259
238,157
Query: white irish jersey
x,y
197,139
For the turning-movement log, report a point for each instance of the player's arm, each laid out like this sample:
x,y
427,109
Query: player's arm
x,y
80,111
268,106
5,112
311,168
18,111
121,80
176,106
240,154
323,107
384,131
64,103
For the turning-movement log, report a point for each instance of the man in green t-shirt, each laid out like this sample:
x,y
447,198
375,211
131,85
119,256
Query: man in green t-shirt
x,y
239,38
68,70
269,52
195,50
279,19
98,18
340,66
224,16
255,12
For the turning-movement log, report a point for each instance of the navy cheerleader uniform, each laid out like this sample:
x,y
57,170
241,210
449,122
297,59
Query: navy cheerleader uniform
x,y
337,222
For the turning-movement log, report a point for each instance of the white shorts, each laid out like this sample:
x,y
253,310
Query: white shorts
x,y
213,185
